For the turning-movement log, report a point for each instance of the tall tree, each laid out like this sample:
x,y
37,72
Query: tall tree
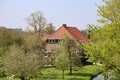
x,y
104,45
36,25
36,22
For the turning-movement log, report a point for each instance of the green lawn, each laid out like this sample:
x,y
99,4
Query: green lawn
x,y
79,73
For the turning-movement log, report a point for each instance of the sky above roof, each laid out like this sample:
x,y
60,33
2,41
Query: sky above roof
x,y
76,13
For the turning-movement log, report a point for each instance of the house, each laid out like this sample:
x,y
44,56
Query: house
x,y
71,32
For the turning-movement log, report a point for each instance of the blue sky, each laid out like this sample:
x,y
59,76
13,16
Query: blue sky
x,y
76,13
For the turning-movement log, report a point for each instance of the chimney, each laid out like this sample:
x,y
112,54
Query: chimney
x,y
64,25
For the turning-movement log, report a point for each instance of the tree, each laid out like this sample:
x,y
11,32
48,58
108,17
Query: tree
x,y
36,28
61,60
34,43
105,42
21,63
69,47
36,22
105,47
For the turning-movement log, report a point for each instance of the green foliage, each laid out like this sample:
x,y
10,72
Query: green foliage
x,y
104,47
72,49
21,63
105,42
8,37
110,12
91,29
61,60
5,38
66,53
24,60
49,29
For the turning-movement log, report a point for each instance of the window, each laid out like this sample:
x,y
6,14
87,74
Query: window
x,y
53,41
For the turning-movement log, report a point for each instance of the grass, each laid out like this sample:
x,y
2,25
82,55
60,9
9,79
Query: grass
x,y
79,73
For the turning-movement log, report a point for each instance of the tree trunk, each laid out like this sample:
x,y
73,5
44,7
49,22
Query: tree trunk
x,y
70,60
70,70
63,74
22,78
106,76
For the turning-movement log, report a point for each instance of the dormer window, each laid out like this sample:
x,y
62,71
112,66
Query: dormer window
x,y
52,41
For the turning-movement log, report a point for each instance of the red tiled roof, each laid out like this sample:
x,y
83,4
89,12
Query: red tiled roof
x,y
77,34
45,37
73,32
